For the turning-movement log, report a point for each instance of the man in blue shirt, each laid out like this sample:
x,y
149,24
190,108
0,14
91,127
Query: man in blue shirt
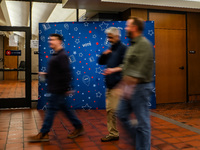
x,y
112,57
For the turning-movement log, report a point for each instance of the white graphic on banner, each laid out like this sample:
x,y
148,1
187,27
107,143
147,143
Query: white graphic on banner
x,y
86,24
51,51
72,59
43,69
42,38
103,26
98,70
149,104
63,45
77,41
78,72
98,94
91,59
80,54
74,52
86,80
46,26
66,26
150,32
75,29
40,32
70,95
59,32
94,36
87,44
86,107
45,107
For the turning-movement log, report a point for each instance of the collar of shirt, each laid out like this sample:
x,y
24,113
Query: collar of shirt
x,y
135,40
113,47
56,53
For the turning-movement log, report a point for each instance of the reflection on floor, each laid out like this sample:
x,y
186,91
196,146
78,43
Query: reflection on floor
x,y
34,88
16,89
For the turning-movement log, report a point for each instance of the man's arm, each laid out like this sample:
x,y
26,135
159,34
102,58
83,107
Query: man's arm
x,y
111,70
104,57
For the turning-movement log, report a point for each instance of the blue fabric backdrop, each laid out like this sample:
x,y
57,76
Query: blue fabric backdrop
x,y
84,42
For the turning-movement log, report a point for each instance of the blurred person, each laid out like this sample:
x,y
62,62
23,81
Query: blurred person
x,y
112,57
137,71
58,79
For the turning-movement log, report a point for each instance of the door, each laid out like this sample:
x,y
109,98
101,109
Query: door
x,y
170,66
15,60
170,56
9,61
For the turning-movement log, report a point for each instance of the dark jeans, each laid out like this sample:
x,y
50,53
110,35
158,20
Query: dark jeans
x,y
138,104
58,102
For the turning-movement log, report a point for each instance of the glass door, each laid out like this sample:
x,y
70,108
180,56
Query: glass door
x,y
15,75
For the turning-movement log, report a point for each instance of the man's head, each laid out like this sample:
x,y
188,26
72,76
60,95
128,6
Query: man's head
x,y
113,35
134,27
55,41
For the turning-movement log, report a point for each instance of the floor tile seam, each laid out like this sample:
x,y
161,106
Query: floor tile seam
x,y
193,129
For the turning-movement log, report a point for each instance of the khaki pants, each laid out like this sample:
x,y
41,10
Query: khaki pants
x,y
112,100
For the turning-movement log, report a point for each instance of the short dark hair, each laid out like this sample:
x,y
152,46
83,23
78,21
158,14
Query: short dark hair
x,y
60,37
139,22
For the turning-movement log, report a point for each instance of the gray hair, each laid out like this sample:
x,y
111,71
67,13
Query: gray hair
x,y
113,30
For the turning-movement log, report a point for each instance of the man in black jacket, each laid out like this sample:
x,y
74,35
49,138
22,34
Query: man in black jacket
x,y
112,57
58,79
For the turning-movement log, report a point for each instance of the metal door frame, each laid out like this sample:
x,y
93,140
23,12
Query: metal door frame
x,y
21,102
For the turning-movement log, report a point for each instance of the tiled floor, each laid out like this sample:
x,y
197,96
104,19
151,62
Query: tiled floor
x,y
16,89
187,113
16,125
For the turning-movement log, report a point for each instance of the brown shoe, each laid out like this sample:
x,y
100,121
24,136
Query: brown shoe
x,y
39,138
76,133
108,138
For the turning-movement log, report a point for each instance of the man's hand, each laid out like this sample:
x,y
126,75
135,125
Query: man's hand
x,y
111,70
107,52
70,92
129,83
42,73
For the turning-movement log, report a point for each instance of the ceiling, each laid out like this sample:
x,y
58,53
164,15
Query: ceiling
x,y
17,13
121,5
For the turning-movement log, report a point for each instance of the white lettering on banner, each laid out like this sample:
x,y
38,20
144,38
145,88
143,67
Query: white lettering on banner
x,y
87,44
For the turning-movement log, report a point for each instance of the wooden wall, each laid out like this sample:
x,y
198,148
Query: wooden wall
x,y
193,32
170,27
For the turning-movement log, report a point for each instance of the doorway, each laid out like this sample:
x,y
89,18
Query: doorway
x,y
15,67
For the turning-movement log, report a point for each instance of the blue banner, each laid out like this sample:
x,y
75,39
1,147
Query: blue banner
x,y
84,42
